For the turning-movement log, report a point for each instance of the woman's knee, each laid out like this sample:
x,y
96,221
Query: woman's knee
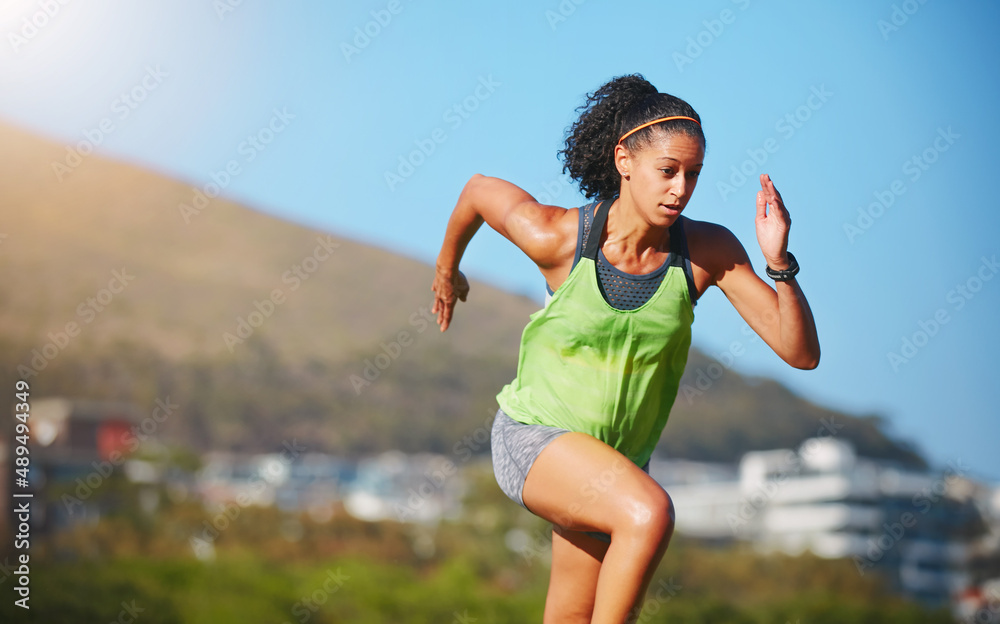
x,y
648,512
669,518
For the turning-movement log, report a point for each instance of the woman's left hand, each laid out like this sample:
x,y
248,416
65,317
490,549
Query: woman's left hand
x,y
772,225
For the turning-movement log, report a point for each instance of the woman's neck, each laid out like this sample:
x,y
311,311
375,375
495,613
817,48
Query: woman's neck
x,y
630,234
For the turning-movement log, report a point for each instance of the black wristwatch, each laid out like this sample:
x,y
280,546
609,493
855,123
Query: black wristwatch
x,y
787,274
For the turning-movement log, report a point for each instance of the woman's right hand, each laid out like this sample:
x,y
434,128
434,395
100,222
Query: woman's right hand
x,y
546,234
449,286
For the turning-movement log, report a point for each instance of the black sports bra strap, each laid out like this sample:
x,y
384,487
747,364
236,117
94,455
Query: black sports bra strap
x,y
677,244
680,256
596,229
593,243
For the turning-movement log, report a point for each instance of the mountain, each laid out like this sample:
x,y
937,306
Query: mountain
x,y
119,283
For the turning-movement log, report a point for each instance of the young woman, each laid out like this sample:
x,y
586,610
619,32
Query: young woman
x,y
600,364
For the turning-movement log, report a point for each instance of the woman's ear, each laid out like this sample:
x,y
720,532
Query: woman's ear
x,y
623,161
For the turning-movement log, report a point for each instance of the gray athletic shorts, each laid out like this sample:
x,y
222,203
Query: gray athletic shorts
x,y
515,448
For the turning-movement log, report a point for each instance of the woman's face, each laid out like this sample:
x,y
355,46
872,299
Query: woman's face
x,y
661,176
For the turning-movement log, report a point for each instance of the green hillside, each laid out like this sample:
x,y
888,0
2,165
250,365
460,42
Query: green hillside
x,y
261,330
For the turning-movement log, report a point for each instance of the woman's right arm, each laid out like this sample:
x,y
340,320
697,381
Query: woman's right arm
x,y
543,233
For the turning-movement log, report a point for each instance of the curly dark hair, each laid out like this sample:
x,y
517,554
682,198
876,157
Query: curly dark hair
x,y
620,105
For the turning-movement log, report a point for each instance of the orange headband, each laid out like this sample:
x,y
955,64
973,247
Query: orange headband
x,y
655,121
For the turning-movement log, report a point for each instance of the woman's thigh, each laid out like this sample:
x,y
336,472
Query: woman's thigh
x,y
582,484
515,447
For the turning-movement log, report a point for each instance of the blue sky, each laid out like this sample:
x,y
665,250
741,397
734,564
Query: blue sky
x,y
876,120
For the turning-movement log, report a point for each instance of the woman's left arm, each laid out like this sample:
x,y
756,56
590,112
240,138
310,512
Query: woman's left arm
x,y
780,316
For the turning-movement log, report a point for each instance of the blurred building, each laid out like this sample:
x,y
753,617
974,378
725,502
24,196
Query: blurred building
x,y
311,482
76,448
921,530
248,480
406,488
317,484
980,602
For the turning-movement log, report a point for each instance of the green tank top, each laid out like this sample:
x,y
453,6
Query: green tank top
x,y
589,367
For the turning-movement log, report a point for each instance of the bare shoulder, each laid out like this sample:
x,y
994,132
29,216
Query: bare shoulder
x,y
708,234
555,218
546,233
714,249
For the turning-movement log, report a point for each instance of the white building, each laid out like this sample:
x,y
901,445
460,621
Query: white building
x,y
422,488
918,528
